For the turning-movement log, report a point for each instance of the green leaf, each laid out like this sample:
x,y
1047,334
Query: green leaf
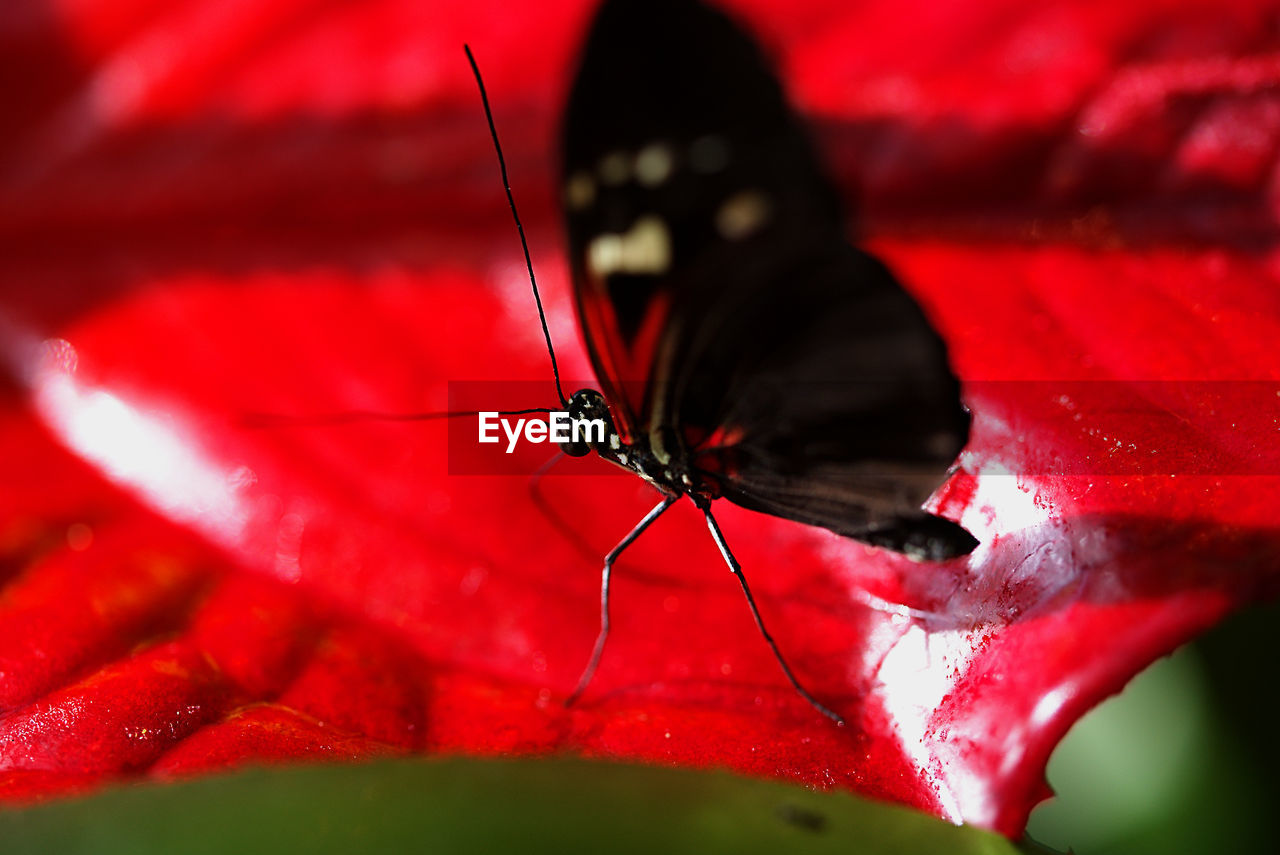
x,y
461,806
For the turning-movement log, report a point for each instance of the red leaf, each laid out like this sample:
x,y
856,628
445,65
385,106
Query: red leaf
x,y
291,206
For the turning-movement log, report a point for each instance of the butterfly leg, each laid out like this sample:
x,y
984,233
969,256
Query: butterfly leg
x,y
718,536
648,520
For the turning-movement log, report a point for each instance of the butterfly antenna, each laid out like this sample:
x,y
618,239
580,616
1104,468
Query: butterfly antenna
x,y
524,244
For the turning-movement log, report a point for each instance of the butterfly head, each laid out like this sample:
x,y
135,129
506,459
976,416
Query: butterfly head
x,y
590,423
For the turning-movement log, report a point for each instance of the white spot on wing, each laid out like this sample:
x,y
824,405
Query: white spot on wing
x,y
614,168
644,248
742,215
579,191
654,164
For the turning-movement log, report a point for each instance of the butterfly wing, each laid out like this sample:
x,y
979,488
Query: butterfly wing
x,y
672,110
830,397
727,317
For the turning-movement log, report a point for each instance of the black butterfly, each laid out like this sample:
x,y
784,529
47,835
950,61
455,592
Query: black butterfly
x,y
746,351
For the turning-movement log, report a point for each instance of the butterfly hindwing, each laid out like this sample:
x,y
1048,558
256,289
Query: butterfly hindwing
x,y
727,317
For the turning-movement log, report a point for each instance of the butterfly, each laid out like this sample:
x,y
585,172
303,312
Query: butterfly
x,y
744,349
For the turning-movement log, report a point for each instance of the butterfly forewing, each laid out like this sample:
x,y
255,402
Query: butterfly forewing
x,y
672,113
728,319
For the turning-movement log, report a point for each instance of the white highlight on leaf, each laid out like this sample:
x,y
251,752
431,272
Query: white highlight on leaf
x,y
141,447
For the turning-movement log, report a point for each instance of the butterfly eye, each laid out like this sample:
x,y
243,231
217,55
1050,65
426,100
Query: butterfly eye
x,y
579,401
587,404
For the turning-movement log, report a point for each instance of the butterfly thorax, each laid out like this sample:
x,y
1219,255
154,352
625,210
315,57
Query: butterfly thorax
x,y
659,457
